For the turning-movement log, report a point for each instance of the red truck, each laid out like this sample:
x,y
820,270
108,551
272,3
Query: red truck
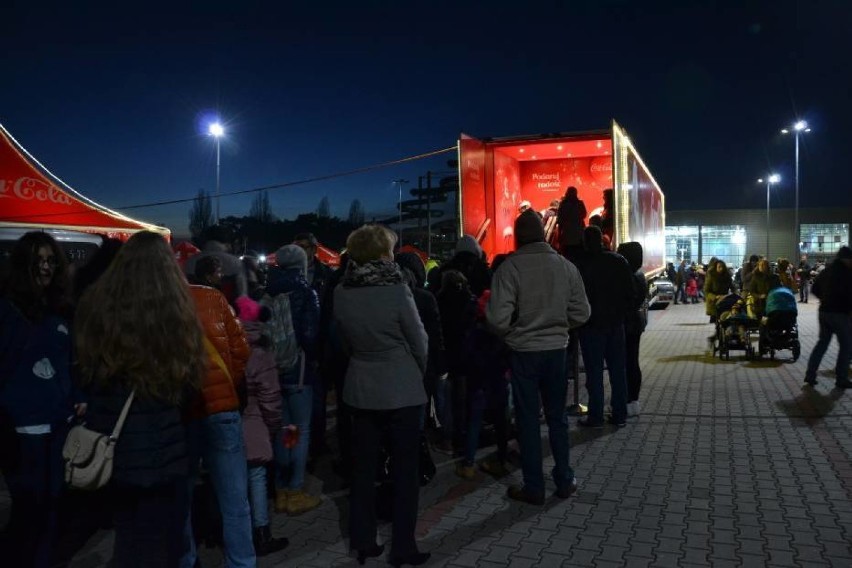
x,y
497,174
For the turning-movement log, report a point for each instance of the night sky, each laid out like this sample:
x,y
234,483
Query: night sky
x,y
114,100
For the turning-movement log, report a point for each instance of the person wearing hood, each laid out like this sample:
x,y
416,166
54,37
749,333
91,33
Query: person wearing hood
x,y
634,324
296,384
234,283
468,259
537,297
414,273
571,218
262,421
610,289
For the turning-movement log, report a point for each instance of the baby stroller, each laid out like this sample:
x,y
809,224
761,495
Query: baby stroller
x,y
779,329
734,329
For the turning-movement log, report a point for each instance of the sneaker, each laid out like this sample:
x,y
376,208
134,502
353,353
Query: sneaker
x,y
465,471
633,409
299,502
586,423
493,468
518,493
570,489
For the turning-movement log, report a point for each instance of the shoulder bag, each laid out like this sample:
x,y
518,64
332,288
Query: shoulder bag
x,y
88,454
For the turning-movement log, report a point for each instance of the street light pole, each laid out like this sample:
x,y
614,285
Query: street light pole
x,y
216,130
772,178
799,127
399,183
218,178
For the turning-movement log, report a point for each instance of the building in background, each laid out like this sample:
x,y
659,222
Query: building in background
x,y
734,234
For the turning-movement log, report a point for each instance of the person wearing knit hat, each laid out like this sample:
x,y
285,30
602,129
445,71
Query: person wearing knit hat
x,y
288,277
468,244
537,297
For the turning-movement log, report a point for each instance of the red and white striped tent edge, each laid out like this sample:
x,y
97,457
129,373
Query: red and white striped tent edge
x,y
33,197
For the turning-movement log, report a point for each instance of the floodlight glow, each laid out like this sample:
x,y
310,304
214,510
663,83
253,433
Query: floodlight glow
x,y
759,180
216,130
801,125
785,131
774,178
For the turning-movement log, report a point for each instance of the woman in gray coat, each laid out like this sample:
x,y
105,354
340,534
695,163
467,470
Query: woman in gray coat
x,y
378,322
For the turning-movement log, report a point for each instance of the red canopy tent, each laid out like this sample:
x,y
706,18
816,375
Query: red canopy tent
x,y
32,197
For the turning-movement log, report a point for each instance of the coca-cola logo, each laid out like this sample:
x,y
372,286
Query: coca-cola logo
x,y
33,189
601,166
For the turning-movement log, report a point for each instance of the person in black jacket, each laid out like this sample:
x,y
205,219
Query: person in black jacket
x,y
835,317
37,395
122,349
634,324
609,288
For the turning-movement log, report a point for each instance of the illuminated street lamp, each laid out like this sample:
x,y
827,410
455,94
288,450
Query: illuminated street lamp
x,y
798,127
216,130
772,179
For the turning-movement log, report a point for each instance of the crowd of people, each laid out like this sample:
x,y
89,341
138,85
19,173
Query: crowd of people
x,y
227,368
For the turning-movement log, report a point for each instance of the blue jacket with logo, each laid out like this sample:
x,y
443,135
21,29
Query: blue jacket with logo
x,y
35,368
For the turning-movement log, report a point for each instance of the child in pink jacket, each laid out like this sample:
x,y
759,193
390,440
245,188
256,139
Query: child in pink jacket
x,y
261,420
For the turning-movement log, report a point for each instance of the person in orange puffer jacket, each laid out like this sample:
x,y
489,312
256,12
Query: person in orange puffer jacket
x,y
215,431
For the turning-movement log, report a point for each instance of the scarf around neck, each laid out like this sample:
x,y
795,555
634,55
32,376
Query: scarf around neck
x,y
373,273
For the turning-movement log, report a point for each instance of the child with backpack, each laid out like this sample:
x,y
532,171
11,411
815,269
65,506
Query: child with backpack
x,y
294,328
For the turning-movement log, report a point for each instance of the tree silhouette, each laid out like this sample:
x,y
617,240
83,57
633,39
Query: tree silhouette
x,y
324,208
356,213
201,214
260,208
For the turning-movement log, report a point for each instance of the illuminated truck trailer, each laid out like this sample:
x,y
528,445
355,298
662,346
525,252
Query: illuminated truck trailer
x,y
497,174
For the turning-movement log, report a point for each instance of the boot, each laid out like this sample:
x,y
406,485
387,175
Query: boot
x,y
299,502
264,543
281,500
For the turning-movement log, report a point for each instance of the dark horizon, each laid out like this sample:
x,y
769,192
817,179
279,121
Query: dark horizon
x,y
115,102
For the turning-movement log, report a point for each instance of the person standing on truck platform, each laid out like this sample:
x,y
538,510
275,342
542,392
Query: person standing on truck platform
x,y
536,298
571,218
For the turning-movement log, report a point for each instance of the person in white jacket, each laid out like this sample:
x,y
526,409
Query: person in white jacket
x,y
537,296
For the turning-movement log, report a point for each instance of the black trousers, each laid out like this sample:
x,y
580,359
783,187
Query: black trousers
x,y
634,372
401,428
149,525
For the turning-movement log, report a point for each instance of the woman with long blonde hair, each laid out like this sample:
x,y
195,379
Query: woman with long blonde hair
x,y
137,331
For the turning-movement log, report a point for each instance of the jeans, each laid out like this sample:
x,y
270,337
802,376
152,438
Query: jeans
x,y
148,525
634,371
442,405
218,440
296,410
803,291
493,394
832,323
35,488
534,374
599,345
258,495
370,428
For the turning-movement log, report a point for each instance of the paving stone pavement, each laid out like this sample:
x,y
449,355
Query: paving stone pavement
x,y
731,463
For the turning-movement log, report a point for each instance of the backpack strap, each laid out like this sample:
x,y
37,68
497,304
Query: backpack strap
x,y
122,417
214,355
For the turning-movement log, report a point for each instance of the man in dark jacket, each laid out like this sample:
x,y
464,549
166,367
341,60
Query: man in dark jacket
x,y
609,287
804,274
835,317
